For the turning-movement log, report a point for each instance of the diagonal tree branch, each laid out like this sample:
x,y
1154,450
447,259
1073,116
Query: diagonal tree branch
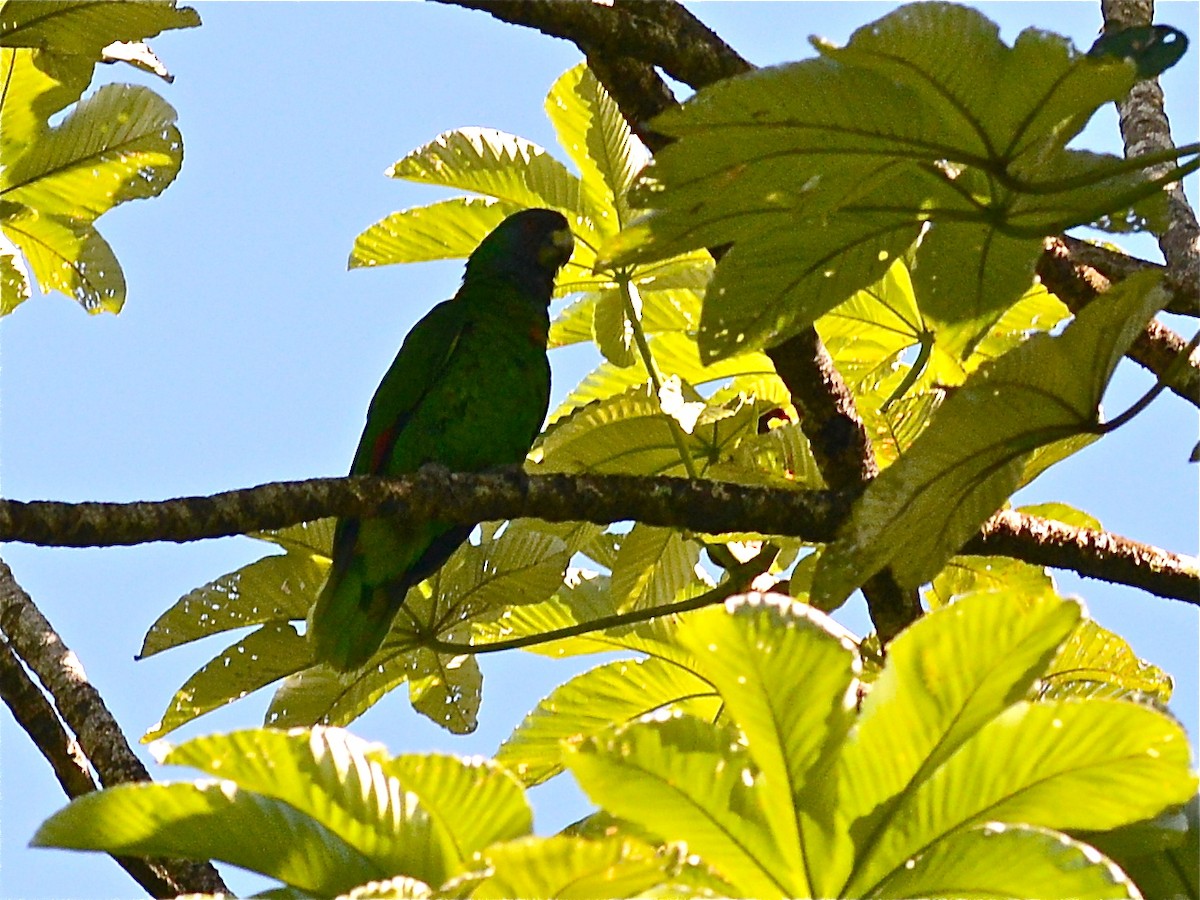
x,y
29,636
704,506
36,716
663,34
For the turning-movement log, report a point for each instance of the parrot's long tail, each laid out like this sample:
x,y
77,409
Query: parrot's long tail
x,y
350,620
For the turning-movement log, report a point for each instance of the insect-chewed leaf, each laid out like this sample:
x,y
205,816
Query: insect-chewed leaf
x,y
264,656
318,695
970,459
119,144
15,285
68,256
1153,48
447,689
272,590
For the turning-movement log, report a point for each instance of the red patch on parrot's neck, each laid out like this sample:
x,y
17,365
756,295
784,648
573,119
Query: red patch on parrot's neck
x,y
538,335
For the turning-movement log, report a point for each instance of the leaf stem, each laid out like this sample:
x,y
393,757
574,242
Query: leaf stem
x,y
639,337
1159,386
737,582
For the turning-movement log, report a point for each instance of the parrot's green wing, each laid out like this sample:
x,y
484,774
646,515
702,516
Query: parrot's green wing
x,y
416,370
345,630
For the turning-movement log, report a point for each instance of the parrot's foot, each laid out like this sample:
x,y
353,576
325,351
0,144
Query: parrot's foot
x,y
435,470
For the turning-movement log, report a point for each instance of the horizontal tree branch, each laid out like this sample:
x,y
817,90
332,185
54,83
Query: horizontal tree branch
x,y
27,632
705,506
1116,266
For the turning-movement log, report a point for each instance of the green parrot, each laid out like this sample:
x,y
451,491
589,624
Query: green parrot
x,y
468,390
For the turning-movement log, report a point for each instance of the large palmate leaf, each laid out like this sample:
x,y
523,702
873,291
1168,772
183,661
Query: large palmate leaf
x,y
571,867
39,84
821,172
15,285
972,457
495,164
1095,662
1009,643
263,657
748,651
319,810
653,567
476,585
675,354
1159,854
794,792
979,861
211,820
450,229
118,144
67,256
281,590
1127,760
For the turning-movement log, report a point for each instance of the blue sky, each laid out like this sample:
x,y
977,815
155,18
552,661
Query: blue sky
x,y
247,353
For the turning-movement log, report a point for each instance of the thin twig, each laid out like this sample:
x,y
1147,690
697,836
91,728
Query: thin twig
x,y
740,579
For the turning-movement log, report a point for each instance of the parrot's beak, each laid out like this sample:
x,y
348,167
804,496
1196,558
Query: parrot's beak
x,y
563,245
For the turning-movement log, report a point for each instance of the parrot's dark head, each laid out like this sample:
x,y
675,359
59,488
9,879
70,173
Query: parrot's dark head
x,y
528,248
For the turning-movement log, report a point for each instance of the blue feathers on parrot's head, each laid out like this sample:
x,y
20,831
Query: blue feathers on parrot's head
x,y
528,248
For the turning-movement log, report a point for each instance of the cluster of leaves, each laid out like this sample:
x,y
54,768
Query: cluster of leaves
x,y
119,144
663,400
747,756
893,193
